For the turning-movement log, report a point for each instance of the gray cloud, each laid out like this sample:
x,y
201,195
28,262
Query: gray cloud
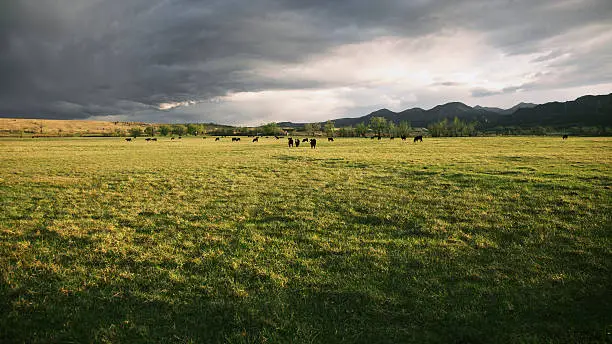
x,y
84,58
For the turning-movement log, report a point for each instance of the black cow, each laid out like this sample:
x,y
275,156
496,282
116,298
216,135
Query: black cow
x,y
313,143
217,139
256,139
379,137
276,137
305,140
128,139
172,138
148,139
392,137
403,137
330,139
373,137
297,142
235,139
418,138
154,139
180,137
565,137
290,142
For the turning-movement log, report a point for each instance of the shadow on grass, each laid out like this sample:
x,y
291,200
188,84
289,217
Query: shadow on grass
x,y
408,294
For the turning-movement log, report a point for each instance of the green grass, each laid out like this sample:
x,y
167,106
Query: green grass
x,y
453,240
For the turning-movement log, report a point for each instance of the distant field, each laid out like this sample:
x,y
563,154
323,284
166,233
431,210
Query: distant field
x,y
53,127
453,240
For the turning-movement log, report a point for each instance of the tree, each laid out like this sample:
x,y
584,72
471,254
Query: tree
x,y
165,130
312,128
403,129
392,129
378,124
346,131
179,129
150,130
193,129
361,129
135,131
329,128
270,129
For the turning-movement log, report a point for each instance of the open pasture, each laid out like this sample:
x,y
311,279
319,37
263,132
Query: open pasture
x,y
452,240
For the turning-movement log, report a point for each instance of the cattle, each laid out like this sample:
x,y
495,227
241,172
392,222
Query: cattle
x,y
217,139
305,140
148,139
172,138
290,141
565,137
379,137
403,137
297,142
313,143
154,139
392,137
418,138
180,137
128,139
235,139
330,139
256,139
373,137
276,137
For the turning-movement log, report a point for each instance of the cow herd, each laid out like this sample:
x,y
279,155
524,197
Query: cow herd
x,y
290,141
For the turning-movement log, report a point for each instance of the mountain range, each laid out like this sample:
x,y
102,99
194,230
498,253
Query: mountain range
x,y
584,111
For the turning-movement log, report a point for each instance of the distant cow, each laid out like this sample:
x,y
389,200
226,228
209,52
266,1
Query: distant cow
x,y
148,139
180,137
313,143
373,137
379,137
305,140
297,142
154,139
392,137
418,138
276,137
330,139
565,137
403,137
235,139
172,138
290,142
256,139
217,139
128,139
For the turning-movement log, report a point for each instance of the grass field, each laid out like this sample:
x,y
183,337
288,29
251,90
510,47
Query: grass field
x,y
453,240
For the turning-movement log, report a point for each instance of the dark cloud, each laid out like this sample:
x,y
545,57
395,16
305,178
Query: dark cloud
x,y
83,58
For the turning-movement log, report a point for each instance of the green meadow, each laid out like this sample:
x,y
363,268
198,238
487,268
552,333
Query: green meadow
x,y
452,240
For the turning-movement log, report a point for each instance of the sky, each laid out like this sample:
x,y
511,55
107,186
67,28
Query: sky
x,y
260,61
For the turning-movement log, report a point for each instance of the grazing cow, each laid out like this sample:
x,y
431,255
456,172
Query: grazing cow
x,y
373,137
172,138
392,137
313,143
276,137
403,137
297,142
256,139
418,138
565,137
148,139
305,140
379,137
235,139
330,139
290,142
217,139
128,139
180,137
154,139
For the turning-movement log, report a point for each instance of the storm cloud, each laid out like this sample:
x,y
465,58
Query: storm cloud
x,y
250,62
